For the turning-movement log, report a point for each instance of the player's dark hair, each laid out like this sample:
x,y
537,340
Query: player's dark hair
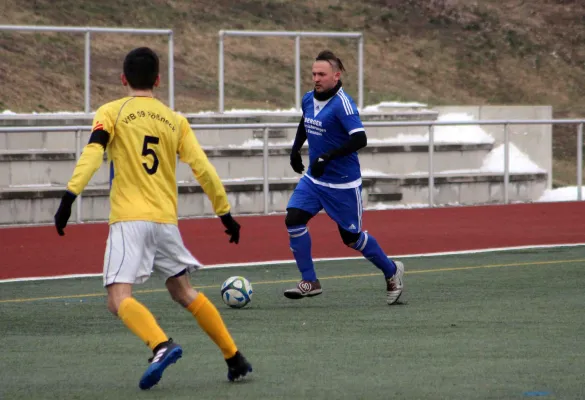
x,y
331,58
141,68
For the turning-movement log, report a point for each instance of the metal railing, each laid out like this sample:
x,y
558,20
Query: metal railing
x,y
297,36
87,50
429,124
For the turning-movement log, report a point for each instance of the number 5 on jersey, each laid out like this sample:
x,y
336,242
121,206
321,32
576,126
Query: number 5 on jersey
x,y
146,151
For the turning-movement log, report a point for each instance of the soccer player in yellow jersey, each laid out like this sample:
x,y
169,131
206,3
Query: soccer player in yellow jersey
x,y
142,138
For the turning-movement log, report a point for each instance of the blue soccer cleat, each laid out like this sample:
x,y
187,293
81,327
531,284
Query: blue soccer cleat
x,y
165,354
238,367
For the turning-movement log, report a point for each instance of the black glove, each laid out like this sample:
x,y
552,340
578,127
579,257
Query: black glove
x,y
64,212
318,166
232,227
296,162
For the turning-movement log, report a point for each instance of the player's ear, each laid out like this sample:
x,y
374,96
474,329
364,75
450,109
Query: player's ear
x,y
123,79
157,81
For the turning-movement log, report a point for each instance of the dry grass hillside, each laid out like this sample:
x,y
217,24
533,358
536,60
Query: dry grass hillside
x,y
432,51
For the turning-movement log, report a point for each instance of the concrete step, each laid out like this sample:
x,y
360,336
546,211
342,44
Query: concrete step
x,y
37,204
55,166
65,140
208,137
473,188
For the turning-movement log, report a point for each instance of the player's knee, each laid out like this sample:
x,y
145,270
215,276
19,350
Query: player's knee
x,y
178,297
349,238
117,293
183,297
112,308
181,292
296,216
113,305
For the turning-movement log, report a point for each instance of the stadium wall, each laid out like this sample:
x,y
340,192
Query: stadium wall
x,y
533,140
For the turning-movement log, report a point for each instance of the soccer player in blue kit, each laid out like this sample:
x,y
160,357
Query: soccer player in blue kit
x,y
335,132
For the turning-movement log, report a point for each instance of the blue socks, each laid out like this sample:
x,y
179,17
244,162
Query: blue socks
x,y
300,245
371,250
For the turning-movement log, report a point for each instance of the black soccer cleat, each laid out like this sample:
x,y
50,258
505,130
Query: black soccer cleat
x,y
238,367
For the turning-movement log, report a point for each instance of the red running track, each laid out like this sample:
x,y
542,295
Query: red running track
x,y
39,251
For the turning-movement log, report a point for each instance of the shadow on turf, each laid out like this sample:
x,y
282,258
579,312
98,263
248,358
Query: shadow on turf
x,y
305,303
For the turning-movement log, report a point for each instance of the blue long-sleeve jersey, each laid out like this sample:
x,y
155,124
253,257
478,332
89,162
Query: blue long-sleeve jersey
x,y
329,125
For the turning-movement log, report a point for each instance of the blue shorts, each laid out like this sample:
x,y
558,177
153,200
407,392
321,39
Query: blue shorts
x,y
344,206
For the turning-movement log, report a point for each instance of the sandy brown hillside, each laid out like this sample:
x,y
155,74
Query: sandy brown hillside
x,y
434,51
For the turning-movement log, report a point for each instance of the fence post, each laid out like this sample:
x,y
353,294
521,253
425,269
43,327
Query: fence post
x,y
431,166
79,199
361,72
171,72
221,72
506,163
87,81
298,73
579,161
265,166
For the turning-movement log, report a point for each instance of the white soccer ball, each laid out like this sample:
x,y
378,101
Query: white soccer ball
x,y
236,292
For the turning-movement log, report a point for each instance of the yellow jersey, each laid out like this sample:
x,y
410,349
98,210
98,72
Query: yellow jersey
x,y
145,137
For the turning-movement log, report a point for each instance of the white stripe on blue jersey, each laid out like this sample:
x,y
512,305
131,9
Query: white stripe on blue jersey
x,y
346,103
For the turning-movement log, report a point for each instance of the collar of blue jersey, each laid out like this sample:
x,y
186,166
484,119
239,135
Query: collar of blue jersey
x,y
327,94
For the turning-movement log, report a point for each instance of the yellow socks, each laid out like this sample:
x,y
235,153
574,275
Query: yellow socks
x,y
141,322
211,322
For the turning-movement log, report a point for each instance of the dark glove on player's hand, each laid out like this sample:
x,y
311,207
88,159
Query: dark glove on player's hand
x,y
296,162
232,227
64,212
318,166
